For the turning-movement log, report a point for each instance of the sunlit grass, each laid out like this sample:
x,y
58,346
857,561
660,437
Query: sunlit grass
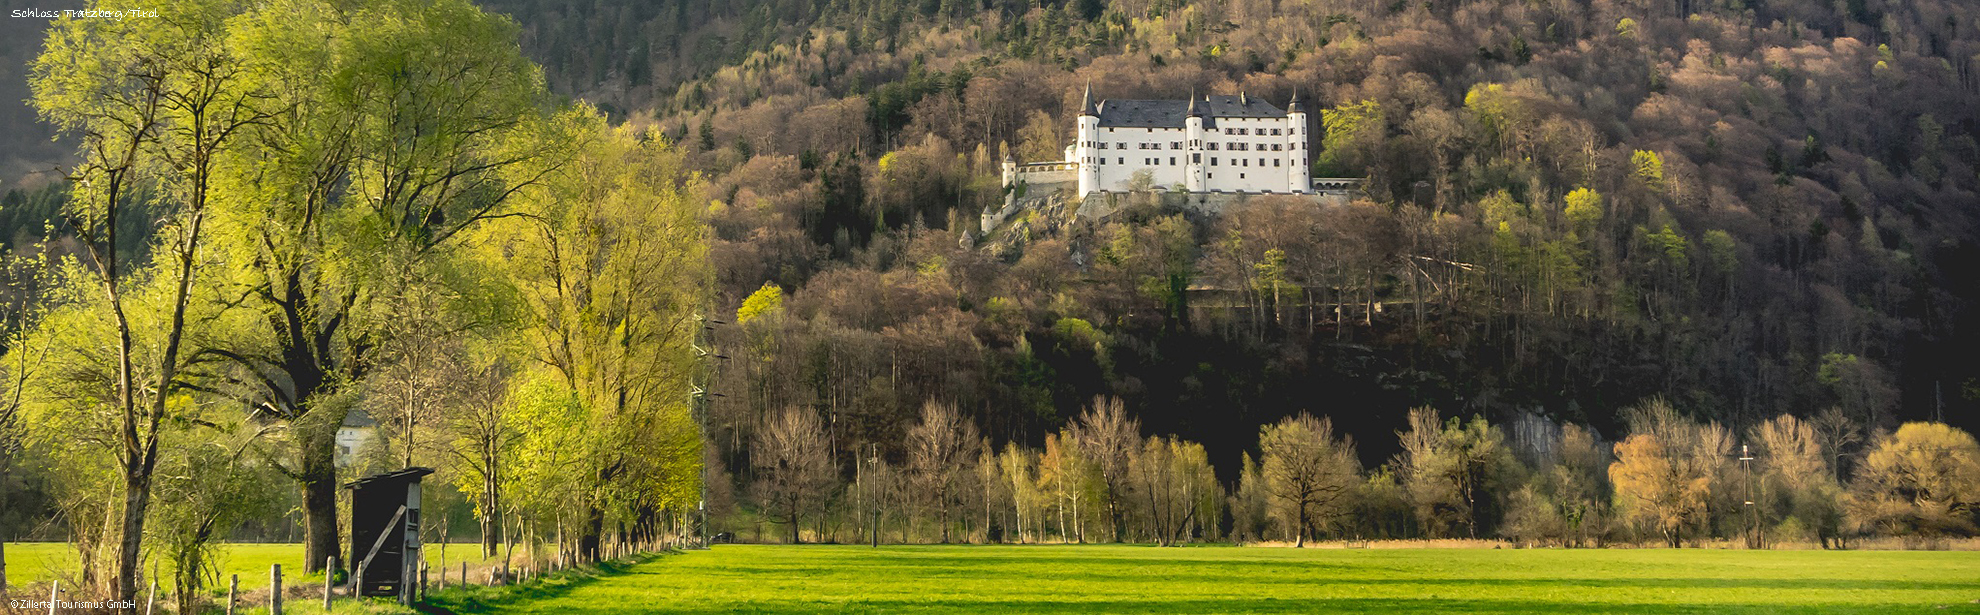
x,y
36,562
1142,579
1113,579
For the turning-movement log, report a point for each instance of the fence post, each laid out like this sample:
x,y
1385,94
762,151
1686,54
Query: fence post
x,y
233,592
151,599
464,579
422,581
54,594
275,589
329,576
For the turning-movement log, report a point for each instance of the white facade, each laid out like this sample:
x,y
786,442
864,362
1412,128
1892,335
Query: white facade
x,y
1212,144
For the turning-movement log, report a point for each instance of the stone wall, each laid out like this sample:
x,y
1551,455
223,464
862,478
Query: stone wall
x,y
1047,173
1099,205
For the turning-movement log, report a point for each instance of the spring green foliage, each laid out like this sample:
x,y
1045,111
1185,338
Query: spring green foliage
x,y
1584,210
1353,131
1115,579
761,303
1649,166
609,274
333,187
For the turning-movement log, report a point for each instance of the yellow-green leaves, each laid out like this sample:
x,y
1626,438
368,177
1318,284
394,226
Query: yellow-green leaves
x,y
1584,210
764,301
1649,167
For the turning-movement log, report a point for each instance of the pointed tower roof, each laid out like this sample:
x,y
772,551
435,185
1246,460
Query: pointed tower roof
x,y
1086,102
1293,105
1192,111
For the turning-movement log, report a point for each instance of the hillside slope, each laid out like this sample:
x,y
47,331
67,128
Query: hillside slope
x,y
1750,207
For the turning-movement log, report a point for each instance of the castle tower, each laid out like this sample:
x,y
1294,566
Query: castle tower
x,y
1009,167
1299,172
1193,146
1089,131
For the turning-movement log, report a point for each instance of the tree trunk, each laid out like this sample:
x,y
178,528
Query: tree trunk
x,y
795,538
1299,531
130,541
319,485
491,532
594,527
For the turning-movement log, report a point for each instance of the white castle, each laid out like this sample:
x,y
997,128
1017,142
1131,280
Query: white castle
x,y
1231,144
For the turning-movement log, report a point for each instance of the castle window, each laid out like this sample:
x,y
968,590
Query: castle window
x,y
1213,161
1240,176
1275,163
1275,147
1172,161
1261,162
1120,160
1196,158
1175,145
1213,146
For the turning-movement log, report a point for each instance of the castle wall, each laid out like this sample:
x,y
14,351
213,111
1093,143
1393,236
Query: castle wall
x,y
1101,205
1048,173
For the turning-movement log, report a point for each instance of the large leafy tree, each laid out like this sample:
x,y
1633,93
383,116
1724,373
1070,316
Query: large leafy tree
x,y
1664,470
156,102
610,270
1923,480
394,127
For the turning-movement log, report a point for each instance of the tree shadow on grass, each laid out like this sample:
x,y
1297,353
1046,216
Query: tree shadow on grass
x,y
1220,573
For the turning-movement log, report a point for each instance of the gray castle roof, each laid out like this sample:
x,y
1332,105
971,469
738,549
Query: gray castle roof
x,y
1172,113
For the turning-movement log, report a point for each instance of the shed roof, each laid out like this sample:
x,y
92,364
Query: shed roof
x,y
402,476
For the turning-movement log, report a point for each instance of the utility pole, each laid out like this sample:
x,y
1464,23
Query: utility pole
x,y
699,399
874,461
1752,513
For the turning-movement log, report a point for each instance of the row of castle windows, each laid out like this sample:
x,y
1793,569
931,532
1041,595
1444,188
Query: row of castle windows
x,y
1232,131
1236,146
1194,159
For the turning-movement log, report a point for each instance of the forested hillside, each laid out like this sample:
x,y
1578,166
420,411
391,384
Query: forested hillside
x,y
1752,208
1746,208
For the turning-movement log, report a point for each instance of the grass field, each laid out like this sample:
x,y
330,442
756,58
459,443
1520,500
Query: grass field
x,y
1133,579
33,562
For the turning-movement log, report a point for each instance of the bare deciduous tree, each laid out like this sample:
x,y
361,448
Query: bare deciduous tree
x,y
939,448
1307,470
794,469
1106,437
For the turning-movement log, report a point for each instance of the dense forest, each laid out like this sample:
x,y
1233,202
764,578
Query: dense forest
x,y
1752,209
1589,228
1749,209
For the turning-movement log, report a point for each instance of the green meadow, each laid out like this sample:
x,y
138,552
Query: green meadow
x,y
34,562
1139,579
1218,579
